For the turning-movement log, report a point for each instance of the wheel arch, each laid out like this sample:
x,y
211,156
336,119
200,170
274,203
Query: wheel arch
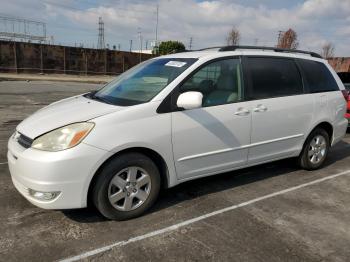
x,y
327,126
152,154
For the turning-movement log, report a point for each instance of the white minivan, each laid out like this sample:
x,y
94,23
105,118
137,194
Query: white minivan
x,y
175,118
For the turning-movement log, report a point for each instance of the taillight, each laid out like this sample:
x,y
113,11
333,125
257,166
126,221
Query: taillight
x,y
345,94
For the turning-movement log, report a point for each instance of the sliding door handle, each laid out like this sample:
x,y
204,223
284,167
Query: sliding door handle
x,y
260,108
242,112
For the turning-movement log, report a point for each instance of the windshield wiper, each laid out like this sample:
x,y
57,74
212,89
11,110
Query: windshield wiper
x,y
97,98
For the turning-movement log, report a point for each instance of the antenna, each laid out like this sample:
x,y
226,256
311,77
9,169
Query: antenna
x,y
101,34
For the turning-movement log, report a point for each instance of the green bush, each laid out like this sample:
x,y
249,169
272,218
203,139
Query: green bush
x,y
169,47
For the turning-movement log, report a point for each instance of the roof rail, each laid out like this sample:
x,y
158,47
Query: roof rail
x,y
276,49
209,48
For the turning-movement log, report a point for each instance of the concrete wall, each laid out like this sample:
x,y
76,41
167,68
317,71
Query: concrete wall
x,y
23,57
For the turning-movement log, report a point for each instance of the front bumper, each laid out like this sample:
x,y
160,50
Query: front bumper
x,y
68,172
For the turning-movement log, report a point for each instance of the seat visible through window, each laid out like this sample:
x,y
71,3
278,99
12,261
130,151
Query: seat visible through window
x,y
226,88
220,82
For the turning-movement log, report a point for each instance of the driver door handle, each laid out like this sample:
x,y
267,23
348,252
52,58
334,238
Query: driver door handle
x,y
260,108
242,112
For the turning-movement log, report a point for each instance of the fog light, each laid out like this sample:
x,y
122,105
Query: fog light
x,y
43,196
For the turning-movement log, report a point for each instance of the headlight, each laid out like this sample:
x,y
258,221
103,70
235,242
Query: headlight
x,y
64,137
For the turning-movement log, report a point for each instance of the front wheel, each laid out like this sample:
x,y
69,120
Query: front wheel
x,y
126,187
315,150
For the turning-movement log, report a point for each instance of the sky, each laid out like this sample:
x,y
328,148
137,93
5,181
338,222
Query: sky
x,y
206,22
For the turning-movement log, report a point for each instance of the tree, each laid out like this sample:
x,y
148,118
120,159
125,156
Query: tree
x,y
327,50
288,40
234,36
169,47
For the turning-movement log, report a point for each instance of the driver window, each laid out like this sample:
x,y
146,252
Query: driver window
x,y
220,82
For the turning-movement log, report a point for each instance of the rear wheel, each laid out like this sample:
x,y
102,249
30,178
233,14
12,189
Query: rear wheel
x,y
126,187
315,150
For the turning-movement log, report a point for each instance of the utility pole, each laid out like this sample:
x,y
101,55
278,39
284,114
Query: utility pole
x,y
191,40
15,56
130,45
156,43
101,34
140,39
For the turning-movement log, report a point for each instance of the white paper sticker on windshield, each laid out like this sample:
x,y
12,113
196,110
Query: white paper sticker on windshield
x,y
176,63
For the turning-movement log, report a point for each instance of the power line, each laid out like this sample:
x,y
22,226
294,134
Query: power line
x,y
93,11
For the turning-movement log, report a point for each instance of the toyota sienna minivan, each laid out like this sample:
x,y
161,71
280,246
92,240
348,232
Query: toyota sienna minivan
x,y
175,118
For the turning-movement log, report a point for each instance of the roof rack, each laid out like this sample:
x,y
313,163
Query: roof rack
x,y
276,49
209,48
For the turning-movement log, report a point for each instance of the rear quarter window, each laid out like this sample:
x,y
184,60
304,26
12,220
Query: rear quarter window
x,y
273,77
317,76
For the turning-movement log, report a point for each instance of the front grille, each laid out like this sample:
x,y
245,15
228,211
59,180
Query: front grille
x,y
24,141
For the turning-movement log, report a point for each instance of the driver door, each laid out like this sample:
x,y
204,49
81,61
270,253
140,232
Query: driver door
x,y
215,137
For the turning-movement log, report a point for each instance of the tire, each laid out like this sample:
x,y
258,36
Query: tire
x,y
308,160
126,187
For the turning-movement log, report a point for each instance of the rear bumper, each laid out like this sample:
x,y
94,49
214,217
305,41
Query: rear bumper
x,y
347,116
339,130
67,172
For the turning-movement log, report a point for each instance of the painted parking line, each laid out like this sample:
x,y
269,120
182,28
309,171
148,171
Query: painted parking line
x,y
3,163
199,218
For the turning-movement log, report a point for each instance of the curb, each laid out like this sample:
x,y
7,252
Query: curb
x,y
56,79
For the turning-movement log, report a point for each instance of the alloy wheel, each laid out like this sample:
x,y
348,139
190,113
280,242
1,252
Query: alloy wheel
x,y
129,188
317,149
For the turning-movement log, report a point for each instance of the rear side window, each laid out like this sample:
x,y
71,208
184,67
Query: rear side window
x,y
274,77
317,76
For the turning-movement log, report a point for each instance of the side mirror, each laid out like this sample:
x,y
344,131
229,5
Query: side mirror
x,y
190,100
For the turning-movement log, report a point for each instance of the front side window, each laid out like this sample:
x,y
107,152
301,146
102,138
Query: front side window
x,y
317,76
274,77
143,82
220,82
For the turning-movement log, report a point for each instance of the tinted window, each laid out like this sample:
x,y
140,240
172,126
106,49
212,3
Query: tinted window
x,y
273,77
317,76
220,82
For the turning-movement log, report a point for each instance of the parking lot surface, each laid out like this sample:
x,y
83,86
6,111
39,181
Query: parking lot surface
x,y
307,219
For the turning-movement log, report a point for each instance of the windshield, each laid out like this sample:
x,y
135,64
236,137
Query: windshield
x,y
143,82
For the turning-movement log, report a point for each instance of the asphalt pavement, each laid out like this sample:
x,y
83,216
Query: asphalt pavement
x,y
272,212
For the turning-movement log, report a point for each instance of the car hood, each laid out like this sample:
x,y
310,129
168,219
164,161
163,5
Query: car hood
x,y
64,112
